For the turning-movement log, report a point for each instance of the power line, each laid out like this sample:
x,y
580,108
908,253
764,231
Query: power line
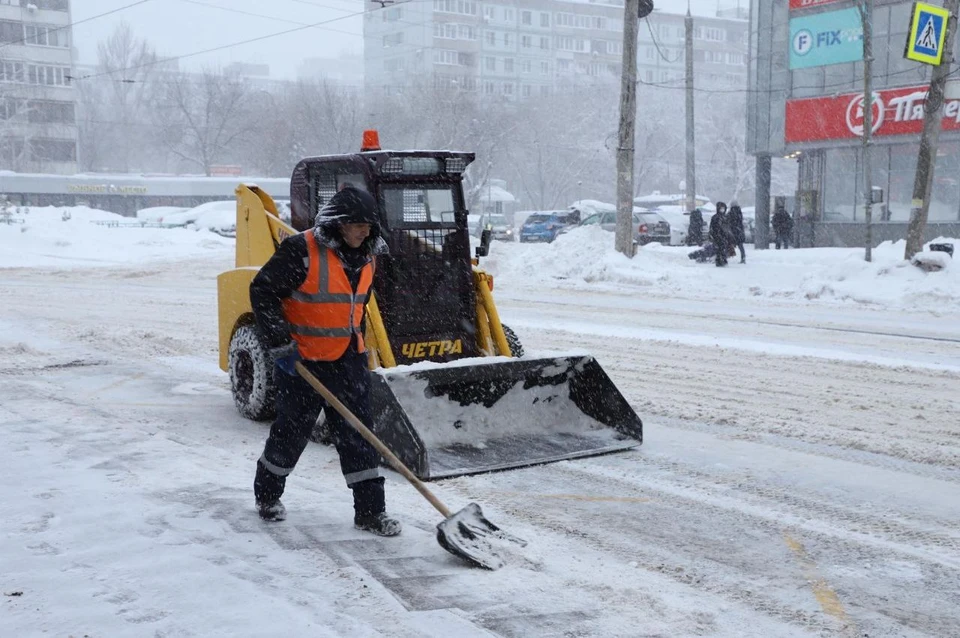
x,y
72,24
239,43
266,17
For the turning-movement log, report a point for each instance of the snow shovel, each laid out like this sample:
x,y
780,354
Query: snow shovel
x,y
464,534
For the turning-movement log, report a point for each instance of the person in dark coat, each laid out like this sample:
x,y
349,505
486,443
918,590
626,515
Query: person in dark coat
x,y
782,227
309,301
695,228
720,233
737,232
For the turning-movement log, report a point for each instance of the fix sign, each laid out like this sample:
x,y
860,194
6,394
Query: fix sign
x,y
806,4
895,112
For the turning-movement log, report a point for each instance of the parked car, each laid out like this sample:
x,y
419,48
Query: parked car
x,y
544,226
497,224
648,226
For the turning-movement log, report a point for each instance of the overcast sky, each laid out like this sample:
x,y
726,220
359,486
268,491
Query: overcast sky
x,y
182,27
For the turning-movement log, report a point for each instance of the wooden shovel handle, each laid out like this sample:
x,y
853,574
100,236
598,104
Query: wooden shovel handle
x,y
371,438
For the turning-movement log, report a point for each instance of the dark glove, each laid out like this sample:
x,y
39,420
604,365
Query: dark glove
x,y
286,356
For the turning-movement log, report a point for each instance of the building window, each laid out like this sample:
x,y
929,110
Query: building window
x,y
491,38
526,90
545,20
445,56
544,91
545,44
526,17
508,65
506,39
508,15
45,36
508,88
840,184
490,63
526,41
488,88
544,68
462,7
12,72
526,66
392,39
53,150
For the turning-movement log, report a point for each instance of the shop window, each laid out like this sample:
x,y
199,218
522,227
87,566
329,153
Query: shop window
x,y
945,194
903,170
880,175
840,184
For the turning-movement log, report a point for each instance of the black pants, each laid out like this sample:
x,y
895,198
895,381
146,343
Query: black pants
x,y
298,406
783,239
743,252
721,256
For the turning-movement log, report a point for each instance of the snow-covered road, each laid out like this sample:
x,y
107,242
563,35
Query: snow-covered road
x,y
799,477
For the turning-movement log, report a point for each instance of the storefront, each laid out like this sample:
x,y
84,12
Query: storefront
x,y
807,104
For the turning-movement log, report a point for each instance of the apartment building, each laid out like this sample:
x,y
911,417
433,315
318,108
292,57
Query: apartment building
x,y
38,131
518,49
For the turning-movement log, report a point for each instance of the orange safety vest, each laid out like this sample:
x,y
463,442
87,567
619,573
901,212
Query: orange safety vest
x,y
324,312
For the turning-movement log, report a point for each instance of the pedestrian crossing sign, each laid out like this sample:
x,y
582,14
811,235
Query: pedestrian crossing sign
x,y
928,32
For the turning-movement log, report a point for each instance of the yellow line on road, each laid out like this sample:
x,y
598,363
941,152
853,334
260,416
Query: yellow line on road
x,y
579,497
828,599
119,382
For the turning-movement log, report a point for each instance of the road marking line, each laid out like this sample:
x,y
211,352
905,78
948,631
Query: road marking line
x,y
579,497
828,599
119,382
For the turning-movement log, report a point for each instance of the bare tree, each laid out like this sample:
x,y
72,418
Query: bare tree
x,y
115,103
202,116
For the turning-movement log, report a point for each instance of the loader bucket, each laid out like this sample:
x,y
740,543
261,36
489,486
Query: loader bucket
x,y
485,414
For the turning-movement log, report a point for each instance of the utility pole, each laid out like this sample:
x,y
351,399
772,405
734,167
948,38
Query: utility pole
x,y
932,121
623,240
691,180
866,18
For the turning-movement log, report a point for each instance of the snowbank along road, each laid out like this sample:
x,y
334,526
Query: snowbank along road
x,y
800,477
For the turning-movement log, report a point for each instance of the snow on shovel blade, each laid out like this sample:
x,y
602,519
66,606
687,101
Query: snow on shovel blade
x,y
468,533
481,415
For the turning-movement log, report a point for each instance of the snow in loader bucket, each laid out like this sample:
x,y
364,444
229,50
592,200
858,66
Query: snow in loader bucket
x,y
493,413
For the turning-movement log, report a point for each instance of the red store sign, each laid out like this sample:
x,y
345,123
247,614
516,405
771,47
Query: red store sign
x,y
806,4
895,112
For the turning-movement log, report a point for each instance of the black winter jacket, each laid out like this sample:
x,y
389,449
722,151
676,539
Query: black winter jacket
x,y
735,222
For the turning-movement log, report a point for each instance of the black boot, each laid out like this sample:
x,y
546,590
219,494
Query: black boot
x,y
272,511
381,524
369,506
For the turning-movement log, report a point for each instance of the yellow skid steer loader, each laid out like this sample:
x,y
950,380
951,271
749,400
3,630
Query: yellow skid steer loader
x,y
452,393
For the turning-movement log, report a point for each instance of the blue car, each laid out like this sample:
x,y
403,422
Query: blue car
x,y
545,226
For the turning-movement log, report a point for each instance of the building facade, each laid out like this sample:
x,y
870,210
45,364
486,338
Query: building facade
x,y
806,102
519,49
38,129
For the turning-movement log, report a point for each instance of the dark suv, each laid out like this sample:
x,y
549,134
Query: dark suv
x,y
546,225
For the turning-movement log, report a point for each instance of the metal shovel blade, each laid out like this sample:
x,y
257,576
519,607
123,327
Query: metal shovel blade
x,y
468,534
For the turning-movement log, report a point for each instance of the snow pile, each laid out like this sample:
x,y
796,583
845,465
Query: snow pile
x,y
79,236
584,258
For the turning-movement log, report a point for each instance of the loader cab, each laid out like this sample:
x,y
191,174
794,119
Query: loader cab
x,y
424,286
